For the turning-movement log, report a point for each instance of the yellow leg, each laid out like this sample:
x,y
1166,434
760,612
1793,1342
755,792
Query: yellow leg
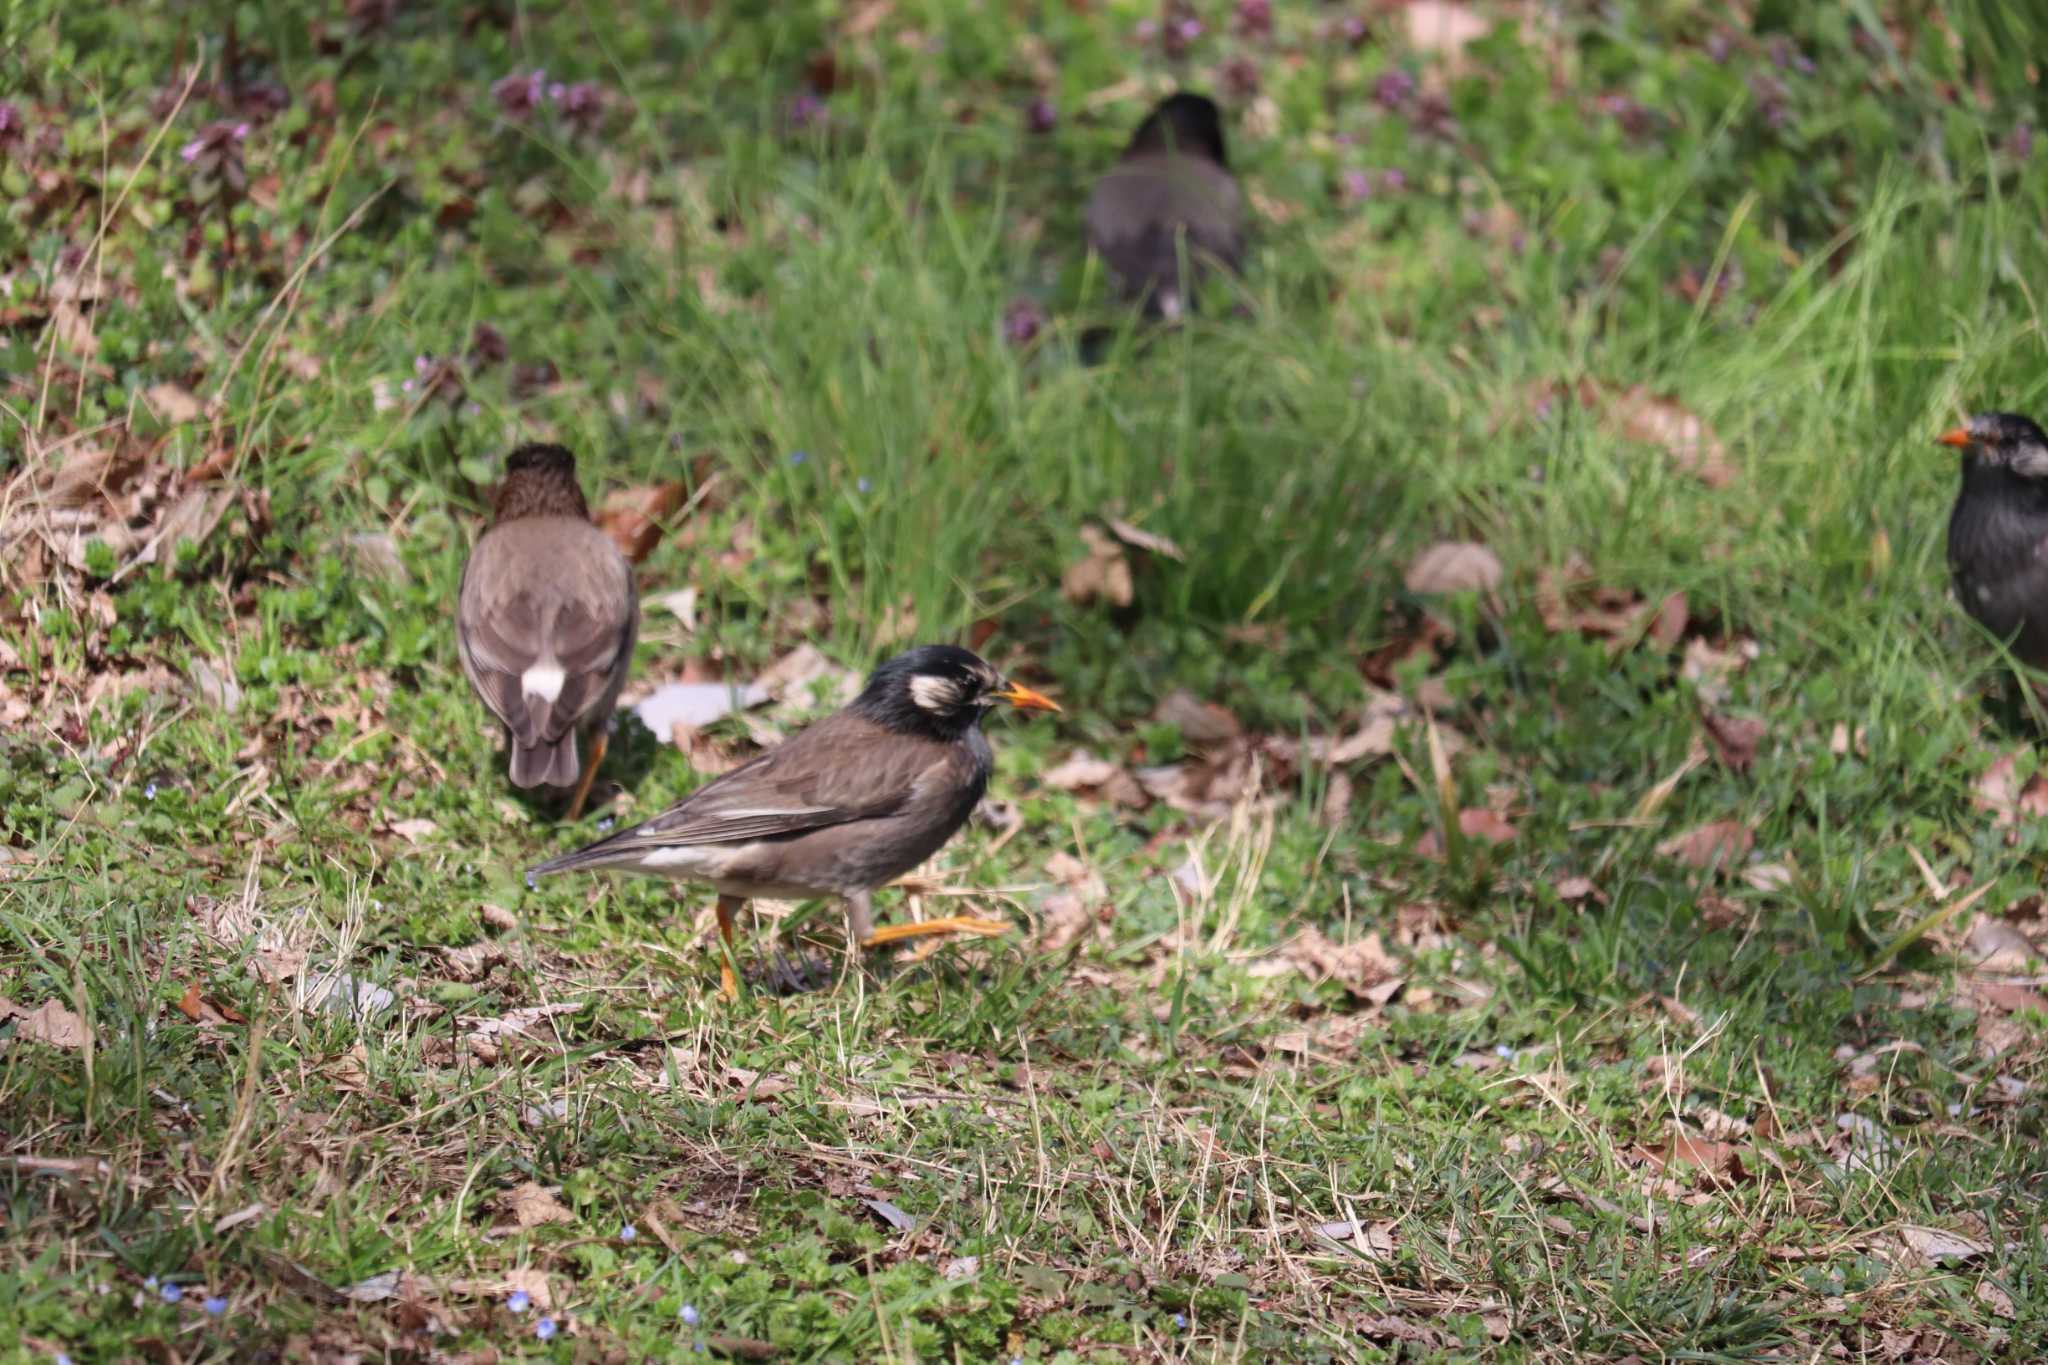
x,y
597,748
728,980
955,924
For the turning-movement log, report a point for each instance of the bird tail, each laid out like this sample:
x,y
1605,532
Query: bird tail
x,y
603,853
552,763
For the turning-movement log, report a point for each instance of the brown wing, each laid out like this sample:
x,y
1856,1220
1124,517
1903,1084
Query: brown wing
x,y
546,624
840,770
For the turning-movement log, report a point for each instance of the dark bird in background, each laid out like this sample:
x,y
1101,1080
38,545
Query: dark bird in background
x,y
1998,531
848,805
546,621
1170,201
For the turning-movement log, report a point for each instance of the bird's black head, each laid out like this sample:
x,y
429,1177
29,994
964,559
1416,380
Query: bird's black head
x,y
940,690
2001,440
1186,124
540,480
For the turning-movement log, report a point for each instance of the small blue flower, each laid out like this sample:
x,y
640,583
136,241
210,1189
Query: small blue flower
x,y
544,1329
799,456
149,1283
628,1233
62,1359
688,1313
530,883
215,1305
1504,1052
604,824
520,1301
149,792
172,1293
1180,1319
863,484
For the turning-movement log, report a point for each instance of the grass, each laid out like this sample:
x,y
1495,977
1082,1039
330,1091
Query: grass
x,y
1308,1066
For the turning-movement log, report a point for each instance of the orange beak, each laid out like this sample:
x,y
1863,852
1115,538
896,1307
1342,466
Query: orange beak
x,y
1024,699
1959,438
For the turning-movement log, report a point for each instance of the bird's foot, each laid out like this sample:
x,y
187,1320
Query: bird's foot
x,y
930,928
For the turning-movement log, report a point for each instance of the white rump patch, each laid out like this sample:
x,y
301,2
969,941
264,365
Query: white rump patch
x,y
675,855
934,694
543,680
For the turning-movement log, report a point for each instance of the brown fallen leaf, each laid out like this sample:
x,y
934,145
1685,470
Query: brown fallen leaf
x,y
1102,573
1199,722
2000,794
173,404
1147,541
1714,1163
1937,1246
1735,738
1994,945
1482,822
1571,889
633,517
1717,845
1363,967
533,1204
1664,422
1453,566
48,1023
200,1010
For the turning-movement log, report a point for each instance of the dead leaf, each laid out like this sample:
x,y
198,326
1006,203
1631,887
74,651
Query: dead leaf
x,y
1145,540
633,517
1374,1241
2000,794
1443,27
1199,722
1680,433
1715,1163
533,1204
1571,889
1936,1246
173,404
1995,946
1714,846
804,676
1102,573
1482,822
1992,1296
472,962
1084,773
1363,967
1735,738
497,917
49,1023
1454,566
1768,876
413,830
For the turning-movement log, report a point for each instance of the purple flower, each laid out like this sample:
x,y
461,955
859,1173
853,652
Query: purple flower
x,y
797,457
422,363
519,94
602,826
544,1329
1240,76
215,1305
1146,30
1719,45
556,90
864,484
149,792
216,155
1354,30
805,110
628,1233
1394,181
171,1293
1041,116
1392,90
10,124
519,1301
1770,99
1022,321
2019,144
1354,186
1180,1320
688,1313
582,104
531,884
1255,17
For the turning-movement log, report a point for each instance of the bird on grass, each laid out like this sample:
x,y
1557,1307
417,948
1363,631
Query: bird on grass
x,y
546,621
1170,209
1998,530
848,805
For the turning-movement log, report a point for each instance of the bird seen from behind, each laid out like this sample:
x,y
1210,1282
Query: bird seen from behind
x,y
546,621
1170,210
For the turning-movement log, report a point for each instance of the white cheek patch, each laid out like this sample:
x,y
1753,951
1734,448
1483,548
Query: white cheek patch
x,y
934,694
2030,462
543,680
